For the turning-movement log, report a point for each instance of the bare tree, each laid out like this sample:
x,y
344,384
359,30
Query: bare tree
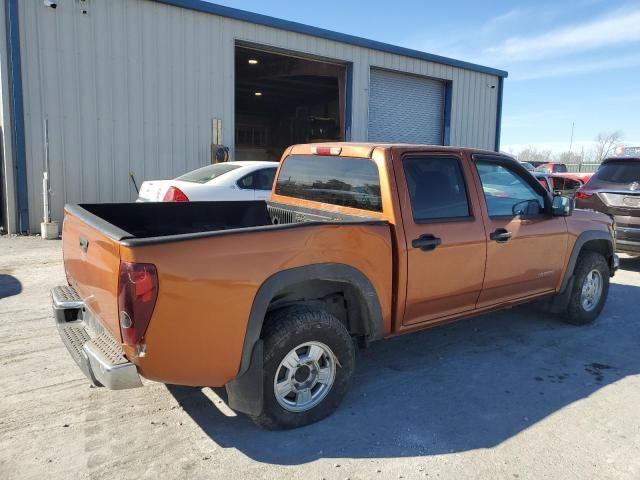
x,y
570,158
533,154
606,144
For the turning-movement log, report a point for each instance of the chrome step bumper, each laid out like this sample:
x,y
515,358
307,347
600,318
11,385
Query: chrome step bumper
x,y
100,357
65,298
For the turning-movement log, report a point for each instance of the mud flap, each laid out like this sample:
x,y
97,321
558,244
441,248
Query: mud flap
x,y
560,302
245,393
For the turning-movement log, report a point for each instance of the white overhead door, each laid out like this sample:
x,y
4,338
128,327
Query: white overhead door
x,y
405,108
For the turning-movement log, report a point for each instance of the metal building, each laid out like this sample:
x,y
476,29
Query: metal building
x,y
143,89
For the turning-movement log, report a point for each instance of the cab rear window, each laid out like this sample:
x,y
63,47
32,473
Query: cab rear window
x,y
344,181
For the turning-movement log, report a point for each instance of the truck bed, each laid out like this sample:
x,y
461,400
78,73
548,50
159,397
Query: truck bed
x,y
164,222
211,257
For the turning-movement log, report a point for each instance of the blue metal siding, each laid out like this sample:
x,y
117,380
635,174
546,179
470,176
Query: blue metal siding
x,y
18,115
499,115
243,15
446,134
348,99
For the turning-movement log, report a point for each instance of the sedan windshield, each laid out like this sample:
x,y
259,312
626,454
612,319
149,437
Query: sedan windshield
x,y
208,173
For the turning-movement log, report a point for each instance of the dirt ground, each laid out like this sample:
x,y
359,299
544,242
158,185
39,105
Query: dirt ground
x,y
514,394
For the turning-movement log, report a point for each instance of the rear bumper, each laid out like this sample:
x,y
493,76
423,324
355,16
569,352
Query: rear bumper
x,y
98,355
627,237
625,246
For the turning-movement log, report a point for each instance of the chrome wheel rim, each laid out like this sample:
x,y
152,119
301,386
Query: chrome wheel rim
x,y
304,377
591,290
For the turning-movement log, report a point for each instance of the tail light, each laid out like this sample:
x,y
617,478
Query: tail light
x,y
137,294
583,194
174,194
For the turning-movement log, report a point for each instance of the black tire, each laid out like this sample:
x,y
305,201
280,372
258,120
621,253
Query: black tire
x,y
576,314
287,329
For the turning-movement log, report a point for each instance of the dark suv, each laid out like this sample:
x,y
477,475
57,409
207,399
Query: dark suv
x,y
615,189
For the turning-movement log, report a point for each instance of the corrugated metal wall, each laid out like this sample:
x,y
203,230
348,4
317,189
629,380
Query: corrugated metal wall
x,y
133,85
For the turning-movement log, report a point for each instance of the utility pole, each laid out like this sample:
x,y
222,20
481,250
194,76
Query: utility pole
x,y
573,124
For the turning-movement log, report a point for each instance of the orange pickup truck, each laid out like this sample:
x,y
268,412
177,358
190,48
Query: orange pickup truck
x,y
358,242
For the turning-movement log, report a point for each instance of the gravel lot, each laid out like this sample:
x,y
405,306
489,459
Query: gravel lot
x,y
509,395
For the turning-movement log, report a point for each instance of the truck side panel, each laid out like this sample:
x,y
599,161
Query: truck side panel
x,y
207,287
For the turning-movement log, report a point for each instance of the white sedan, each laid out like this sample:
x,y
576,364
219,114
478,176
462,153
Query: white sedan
x,y
222,181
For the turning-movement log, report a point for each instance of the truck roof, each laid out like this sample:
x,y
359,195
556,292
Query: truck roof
x,y
366,149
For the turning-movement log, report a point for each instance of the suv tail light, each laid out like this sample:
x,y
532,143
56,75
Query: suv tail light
x,y
137,294
583,194
174,194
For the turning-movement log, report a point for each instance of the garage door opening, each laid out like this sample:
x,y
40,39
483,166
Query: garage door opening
x,y
282,100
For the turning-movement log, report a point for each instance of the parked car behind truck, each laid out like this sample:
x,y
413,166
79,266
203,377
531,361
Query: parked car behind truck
x,y
614,189
230,181
558,184
358,242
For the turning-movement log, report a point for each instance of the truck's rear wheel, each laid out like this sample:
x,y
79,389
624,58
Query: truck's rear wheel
x,y
590,289
308,364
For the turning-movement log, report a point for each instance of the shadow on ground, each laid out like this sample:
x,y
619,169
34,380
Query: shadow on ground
x,y
468,385
9,286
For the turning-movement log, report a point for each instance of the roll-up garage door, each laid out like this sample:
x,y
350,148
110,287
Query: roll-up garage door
x,y
405,108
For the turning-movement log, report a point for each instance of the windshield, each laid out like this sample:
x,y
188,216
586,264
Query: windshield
x,y
205,174
345,181
618,172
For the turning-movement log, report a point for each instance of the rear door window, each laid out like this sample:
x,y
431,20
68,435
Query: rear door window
x,y
436,188
259,180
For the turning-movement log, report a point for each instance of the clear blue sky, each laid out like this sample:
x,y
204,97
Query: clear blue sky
x,y
568,61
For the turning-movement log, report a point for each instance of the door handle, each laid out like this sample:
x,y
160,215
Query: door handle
x,y
500,235
84,244
426,242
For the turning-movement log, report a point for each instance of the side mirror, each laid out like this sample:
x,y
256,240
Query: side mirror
x,y
562,206
526,208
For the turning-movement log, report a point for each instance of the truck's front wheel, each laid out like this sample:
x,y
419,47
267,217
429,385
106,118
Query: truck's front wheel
x,y
308,364
590,289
